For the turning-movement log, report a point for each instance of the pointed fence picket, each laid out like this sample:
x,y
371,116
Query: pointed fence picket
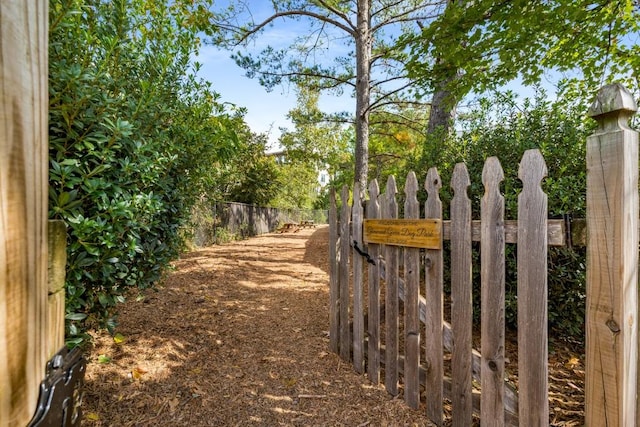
x,y
461,299
390,211
492,293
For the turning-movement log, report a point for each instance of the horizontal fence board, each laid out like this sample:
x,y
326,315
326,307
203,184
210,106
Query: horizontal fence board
x,y
556,231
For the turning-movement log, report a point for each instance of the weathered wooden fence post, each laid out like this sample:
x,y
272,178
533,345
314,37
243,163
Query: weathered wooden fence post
x,y
23,206
612,262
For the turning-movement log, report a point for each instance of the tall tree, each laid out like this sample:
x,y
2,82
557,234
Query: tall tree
x,y
372,68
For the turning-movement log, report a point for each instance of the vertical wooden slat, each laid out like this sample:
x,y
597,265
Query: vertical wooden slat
x,y
57,273
391,297
612,262
433,295
345,331
358,292
492,296
373,359
532,293
334,282
461,299
412,315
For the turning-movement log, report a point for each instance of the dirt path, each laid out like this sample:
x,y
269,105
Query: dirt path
x,y
236,336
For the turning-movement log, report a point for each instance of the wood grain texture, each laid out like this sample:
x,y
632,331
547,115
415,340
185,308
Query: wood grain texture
x,y
391,295
358,280
511,396
612,260
556,232
334,282
434,297
412,324
533,369
23,206
511,417
343,267
373,326
461,300
492,271
56,277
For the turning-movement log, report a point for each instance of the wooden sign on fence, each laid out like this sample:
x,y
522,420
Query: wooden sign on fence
x,y
414,233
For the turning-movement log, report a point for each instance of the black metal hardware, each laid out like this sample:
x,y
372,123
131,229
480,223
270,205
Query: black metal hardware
x,y
567,229
363,253
61,391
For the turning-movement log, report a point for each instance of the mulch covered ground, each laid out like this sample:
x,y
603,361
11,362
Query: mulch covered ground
x,y
237,335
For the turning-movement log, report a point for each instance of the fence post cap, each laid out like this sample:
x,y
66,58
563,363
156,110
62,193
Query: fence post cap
x,y
611,98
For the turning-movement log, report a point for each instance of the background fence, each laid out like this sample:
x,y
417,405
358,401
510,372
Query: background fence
x,y
220,222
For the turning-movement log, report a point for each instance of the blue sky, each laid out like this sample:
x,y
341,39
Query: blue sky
x,y
266,111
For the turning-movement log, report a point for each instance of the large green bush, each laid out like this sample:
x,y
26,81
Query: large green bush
x,y
501,127
132,136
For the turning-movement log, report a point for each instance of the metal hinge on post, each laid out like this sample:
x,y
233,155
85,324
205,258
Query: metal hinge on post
x,y
61,391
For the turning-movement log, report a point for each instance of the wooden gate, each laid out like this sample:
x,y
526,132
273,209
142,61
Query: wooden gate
x,y
397,252
409,271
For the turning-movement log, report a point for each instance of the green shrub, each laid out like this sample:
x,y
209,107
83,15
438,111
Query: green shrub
x,y
499,127
132,137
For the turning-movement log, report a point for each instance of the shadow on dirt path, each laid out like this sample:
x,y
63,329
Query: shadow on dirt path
x,y
236,336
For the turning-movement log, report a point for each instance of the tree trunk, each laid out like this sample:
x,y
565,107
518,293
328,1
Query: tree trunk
x,y
363,97
443,108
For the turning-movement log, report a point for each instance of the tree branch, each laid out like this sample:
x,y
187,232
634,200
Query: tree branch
x,y
290,13
405,16
378,101
338,81
337,12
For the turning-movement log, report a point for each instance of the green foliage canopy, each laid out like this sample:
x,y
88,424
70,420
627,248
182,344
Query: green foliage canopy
x,y
494,42
503,126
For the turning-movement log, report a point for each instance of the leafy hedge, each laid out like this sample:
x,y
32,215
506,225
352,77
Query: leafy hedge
x,y
500,127
133,135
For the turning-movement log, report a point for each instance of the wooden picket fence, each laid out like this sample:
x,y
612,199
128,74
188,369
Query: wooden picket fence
x,y
402,281
407,270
